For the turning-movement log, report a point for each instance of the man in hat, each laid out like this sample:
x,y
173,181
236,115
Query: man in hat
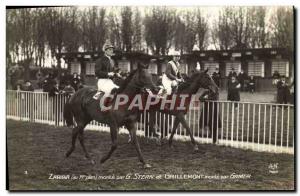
x,y
172,76
105,70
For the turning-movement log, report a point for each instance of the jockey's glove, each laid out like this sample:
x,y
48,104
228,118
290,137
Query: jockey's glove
x,y
111,74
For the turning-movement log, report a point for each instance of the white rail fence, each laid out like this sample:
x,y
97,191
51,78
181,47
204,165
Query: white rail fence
x,y
256,126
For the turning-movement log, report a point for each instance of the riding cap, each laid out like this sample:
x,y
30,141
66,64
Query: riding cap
x,y
175,53
107,46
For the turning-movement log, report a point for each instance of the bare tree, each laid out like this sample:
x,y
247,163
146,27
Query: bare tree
x,y
127,28
258,36
239,24
114,28
72,38
159,31
221,32
12,35
282,25
179,34
137,30
93,28
185,31
201,30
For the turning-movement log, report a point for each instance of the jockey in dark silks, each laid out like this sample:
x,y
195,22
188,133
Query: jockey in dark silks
x,y
105,71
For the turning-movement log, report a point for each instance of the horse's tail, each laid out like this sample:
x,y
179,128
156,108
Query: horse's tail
x,y
68,114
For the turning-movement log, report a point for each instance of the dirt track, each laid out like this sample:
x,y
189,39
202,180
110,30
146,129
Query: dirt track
x,y
35,151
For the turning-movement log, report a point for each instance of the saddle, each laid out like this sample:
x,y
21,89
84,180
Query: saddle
x,y
91,97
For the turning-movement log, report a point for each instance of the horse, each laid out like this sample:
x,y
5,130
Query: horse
x,y
83,108
190,87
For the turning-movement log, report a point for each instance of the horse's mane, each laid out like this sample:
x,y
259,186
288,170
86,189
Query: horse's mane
x,y
188,81
126,81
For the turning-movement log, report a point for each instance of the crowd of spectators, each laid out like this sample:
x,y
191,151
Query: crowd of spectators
x,y
241,82
54,84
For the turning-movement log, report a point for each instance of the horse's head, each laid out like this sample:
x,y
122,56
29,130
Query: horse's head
x,y
144,78
140,79
204,80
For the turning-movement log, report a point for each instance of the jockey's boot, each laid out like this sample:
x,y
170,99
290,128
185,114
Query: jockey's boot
x,y
162,93
98,95
174,89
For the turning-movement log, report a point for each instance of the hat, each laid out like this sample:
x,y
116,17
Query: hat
x,y
107,46
175,53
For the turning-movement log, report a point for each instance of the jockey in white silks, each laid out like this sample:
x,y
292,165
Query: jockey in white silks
x,y
172,75
105,71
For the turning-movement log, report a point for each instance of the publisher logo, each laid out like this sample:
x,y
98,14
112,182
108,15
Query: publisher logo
x,y
273,168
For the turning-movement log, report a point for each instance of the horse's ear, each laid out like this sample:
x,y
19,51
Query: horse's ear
x,y
139,65
206,70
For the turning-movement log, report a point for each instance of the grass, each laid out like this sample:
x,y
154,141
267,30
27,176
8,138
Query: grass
x,y
35,151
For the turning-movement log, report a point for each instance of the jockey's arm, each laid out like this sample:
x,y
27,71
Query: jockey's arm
x,y
100,73
169,72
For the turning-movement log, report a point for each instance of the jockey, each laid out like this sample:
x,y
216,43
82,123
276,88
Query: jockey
x,y
172,76
105,71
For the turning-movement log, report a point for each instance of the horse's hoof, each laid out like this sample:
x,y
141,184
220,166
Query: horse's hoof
x,y
155,135
67,154
146,165
129,141
158,141
196,149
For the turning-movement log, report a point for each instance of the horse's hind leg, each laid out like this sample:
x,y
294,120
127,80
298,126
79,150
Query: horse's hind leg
x,y
132,130
81,140
113,134
75,132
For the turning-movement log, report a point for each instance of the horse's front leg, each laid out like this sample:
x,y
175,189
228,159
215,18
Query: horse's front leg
x,y
175,125
131,126
113,135
186,126
152,116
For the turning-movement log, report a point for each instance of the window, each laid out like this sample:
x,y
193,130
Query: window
x,y
75,67
256,69
237,54
282,67
164,67
152,68
183,68
124,66
235,65
211,66
90,68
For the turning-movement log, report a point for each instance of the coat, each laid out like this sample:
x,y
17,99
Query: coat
x,y
233,91
103,66
283,93
216,77
242,77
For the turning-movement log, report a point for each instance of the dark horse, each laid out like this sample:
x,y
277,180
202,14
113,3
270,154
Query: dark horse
x,y
188,88
83,108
